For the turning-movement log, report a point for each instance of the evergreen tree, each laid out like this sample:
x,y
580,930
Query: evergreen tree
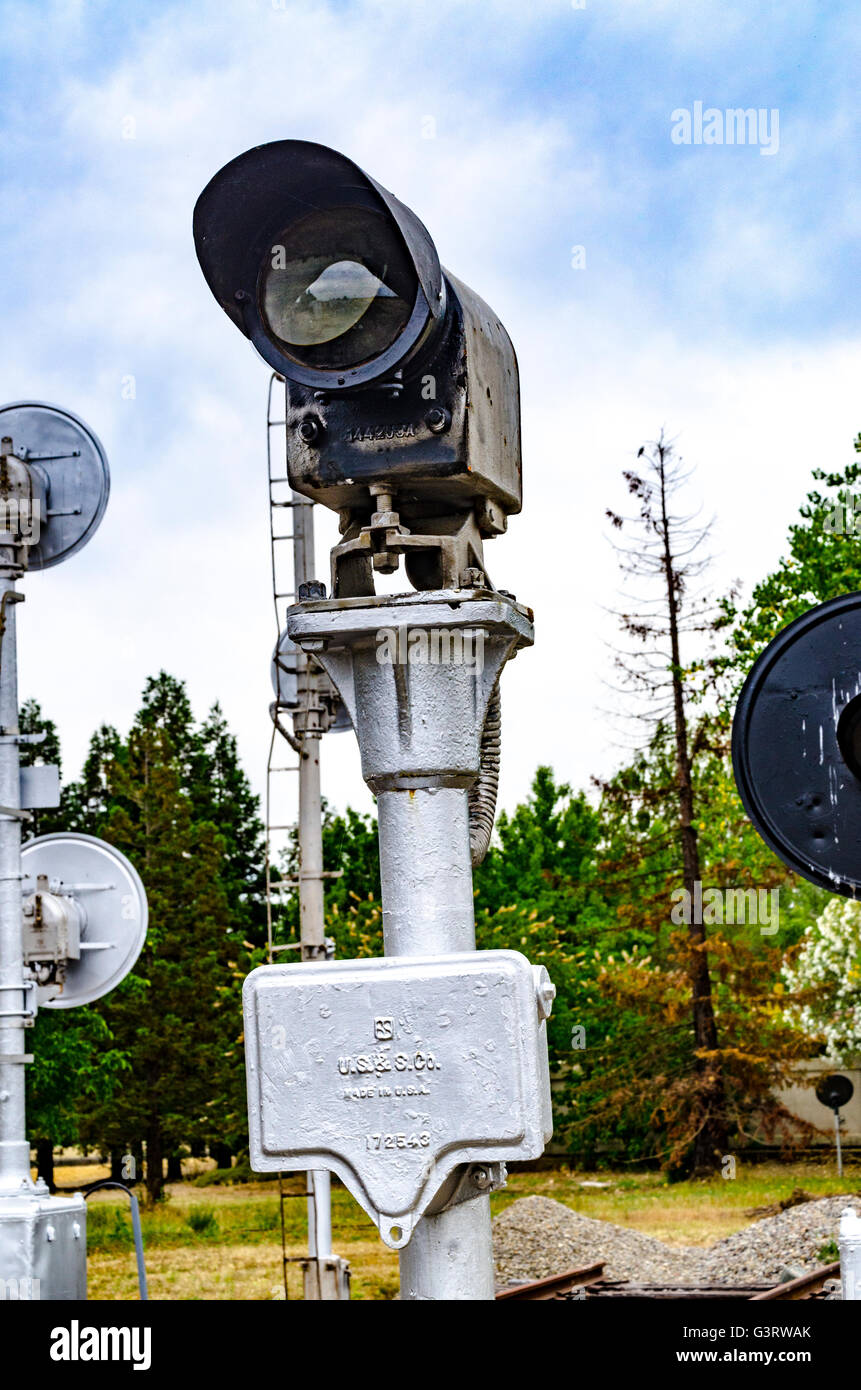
x,y
175,799
86,803
31,720
544,854
823,560
351,854
165,705
221,794
178,1008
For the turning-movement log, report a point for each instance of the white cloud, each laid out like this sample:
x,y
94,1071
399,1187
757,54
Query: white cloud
x,y
178,575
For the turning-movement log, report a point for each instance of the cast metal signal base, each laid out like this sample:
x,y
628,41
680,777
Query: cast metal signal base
x,y
416,672
392,1073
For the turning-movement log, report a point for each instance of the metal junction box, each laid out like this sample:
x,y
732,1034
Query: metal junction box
x,y
40,785
43,1247
391,1073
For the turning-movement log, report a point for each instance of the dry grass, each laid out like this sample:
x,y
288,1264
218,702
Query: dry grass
x,y
233,1249
237,1254
231,1272
685,1213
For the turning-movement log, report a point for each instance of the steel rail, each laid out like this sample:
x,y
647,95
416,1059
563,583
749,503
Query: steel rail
x,y
554,1287
803,1287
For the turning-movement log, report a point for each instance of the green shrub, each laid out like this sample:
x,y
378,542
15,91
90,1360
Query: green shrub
x,y
107,1225
203,1221
239,1173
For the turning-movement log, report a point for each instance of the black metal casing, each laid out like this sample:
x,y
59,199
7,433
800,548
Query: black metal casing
x,y
834,1091
436,417
375,436
794,745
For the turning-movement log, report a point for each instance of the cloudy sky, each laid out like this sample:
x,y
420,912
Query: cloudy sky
x,y
718,300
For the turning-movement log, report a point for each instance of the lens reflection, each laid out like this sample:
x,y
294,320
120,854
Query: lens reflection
x,y
334,301
339,289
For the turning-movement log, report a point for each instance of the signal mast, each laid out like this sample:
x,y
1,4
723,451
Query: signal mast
x,y
415,1077
73,912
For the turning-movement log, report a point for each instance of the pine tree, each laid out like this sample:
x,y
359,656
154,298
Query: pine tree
x,y
174,1012
74,1056
221,794
823,560
86,802
663,554
31,720
165,705
543,854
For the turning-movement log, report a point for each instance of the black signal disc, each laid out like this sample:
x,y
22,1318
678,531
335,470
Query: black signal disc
x,y
797,738
834,1090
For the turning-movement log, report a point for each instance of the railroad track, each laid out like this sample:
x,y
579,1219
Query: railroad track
x,y
557,1287
807,1286
589,1282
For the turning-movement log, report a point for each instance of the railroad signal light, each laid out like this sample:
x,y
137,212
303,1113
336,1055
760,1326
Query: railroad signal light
x,y
402,414
403,408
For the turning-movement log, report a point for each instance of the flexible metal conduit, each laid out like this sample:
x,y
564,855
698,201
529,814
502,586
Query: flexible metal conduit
x,y
482,794
136,1227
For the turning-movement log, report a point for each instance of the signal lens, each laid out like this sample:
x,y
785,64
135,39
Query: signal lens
x,y
338,288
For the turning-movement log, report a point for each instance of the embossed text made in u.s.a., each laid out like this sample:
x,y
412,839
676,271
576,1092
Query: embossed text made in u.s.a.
x,y
383,1092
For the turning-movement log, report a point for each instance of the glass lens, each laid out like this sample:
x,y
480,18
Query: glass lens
x,y
310,304
338,289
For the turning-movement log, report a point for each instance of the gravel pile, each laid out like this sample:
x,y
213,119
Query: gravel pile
x,y
537,1237
764,1249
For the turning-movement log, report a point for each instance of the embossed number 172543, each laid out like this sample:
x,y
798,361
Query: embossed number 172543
x,y
398,1141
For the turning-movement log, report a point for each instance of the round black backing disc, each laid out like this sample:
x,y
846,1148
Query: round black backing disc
x,y
834,1090
796,736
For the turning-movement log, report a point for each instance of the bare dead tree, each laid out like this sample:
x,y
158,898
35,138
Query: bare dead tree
x,y
663,552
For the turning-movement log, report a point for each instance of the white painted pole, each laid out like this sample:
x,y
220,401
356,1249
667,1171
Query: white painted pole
x,y
14,1147
312,931
426,875
849,1245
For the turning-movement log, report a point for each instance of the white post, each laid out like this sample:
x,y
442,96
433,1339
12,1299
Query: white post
x,y
14,1147
312,932
426,877
419,729
849,1244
